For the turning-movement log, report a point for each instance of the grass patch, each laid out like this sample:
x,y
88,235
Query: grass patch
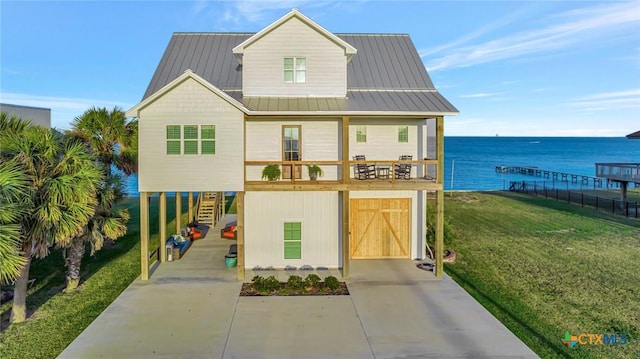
x,y
59,318
232,207
544,268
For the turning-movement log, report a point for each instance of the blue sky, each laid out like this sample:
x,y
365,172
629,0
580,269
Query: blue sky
x,y
514,68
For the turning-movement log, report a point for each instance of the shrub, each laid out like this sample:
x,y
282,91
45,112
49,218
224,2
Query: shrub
x,y
259,283
312,281
295,282
450,234
272,284
331,282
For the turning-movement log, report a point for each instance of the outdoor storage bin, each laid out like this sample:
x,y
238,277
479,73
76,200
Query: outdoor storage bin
x,y
231,260
169,250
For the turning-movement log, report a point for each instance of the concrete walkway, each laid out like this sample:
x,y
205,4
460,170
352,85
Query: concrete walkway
x,y
191,309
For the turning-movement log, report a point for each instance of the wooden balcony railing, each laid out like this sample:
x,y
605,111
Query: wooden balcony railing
x,y
383,171
331,170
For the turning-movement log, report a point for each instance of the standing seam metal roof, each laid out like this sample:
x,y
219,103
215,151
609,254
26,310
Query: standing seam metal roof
x,y
386,74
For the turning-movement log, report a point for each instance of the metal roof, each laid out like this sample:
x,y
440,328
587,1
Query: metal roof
x,y
634,135
386,75
425,102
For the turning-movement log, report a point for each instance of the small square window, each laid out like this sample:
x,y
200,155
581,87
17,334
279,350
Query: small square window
x,y
292,250
173,132
191,132
190,147
173,147
361,134
295,70
403,134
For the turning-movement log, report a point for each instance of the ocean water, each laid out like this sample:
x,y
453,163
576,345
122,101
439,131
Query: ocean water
x,y
473,159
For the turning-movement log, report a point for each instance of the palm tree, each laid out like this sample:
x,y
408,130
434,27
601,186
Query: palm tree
x,y
13,191
62,179
113,141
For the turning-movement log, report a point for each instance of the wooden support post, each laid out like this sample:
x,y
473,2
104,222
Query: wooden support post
x,y
346,249
346,173
240,233
190,204
624,196
162,219
144,235
440,197
178,211
424,223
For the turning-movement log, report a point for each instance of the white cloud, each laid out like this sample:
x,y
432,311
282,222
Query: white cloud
x,y
10,72
581,26
609,100
501,22
198,7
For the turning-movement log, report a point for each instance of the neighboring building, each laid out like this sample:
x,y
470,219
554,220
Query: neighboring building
x,y
37,115
634,135
222,106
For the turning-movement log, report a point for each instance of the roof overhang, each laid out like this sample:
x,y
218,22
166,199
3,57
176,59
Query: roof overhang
x,y
349,50
188,74
385,114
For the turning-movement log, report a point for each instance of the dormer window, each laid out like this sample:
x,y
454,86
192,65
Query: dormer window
x,y
295,70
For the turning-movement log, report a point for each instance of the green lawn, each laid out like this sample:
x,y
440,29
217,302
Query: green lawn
x,y
231,204
544,268
633,194
59,318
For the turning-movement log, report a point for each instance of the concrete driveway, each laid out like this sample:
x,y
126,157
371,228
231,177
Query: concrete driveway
x,y
191,309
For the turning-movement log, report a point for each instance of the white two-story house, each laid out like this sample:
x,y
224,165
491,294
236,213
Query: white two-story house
x,y
223,106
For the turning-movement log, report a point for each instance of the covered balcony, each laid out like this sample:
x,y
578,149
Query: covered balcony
x,y
401,174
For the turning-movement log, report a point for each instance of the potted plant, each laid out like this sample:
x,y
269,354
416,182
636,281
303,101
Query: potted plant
x,y
314,172
271,172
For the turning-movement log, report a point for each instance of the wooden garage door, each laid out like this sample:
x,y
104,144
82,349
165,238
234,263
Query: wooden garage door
x,y
379,228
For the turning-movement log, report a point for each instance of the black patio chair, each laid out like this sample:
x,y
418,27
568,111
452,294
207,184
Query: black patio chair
x,y
363,170
403,170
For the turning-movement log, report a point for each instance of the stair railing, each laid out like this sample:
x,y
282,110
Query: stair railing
x,y
197,211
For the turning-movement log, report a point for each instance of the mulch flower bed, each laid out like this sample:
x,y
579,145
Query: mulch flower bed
x,y
248,290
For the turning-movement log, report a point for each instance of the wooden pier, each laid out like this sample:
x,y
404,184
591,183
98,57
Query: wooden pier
x,y
596,182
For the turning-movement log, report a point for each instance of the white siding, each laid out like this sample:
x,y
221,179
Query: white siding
x,y
190,103
319,143
262,63
418,216
382,140
265,214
